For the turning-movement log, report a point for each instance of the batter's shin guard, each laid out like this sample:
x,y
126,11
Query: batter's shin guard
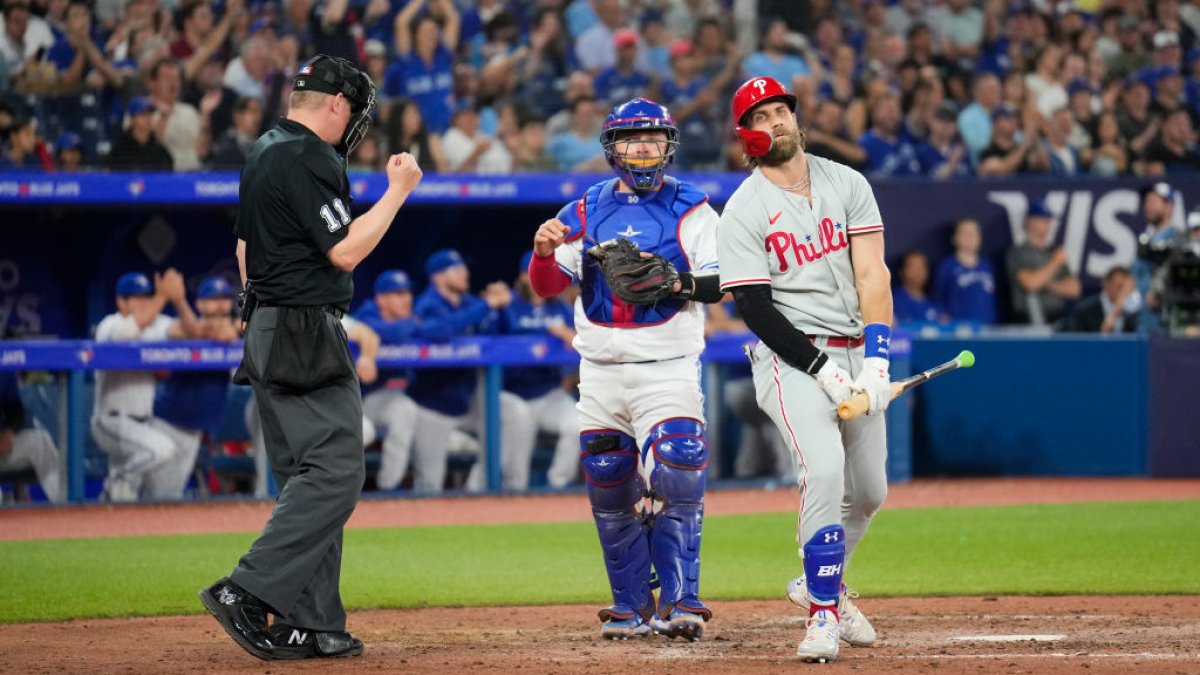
x,y
609,462
681,457
824,558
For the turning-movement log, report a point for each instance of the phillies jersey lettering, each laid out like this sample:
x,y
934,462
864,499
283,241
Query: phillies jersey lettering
x,y
770,236
831,237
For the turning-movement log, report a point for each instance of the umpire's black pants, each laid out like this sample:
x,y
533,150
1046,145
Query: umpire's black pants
x,y
314,442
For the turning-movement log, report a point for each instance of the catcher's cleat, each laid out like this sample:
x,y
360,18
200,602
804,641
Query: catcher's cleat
x,y
820,644
242,615
621,625
855,629
682,623
301,643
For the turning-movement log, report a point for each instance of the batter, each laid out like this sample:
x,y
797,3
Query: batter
x,y
800,245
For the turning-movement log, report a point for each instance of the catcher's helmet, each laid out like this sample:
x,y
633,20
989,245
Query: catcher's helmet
x,y
639,113
754,91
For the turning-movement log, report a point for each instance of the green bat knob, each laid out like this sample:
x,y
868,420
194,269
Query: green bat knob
x,y
965,359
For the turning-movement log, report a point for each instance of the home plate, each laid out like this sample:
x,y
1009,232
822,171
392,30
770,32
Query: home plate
x,y
1009,638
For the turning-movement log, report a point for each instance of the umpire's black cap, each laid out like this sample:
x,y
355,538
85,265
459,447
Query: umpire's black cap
x,y
333,75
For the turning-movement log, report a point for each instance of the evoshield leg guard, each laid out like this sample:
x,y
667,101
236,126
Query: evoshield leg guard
x,y
609,462
681,456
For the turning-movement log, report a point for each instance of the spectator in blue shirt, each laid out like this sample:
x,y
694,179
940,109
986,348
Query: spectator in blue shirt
x,y
910,303
943,155
623,80
390,314
545,388
887,153
965,283
975,120
424,67
772,60
446,397
578,150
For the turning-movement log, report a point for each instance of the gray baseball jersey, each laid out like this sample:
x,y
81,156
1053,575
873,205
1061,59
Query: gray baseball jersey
x,y
768,235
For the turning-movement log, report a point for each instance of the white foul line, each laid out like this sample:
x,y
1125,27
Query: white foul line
x,y
1009,638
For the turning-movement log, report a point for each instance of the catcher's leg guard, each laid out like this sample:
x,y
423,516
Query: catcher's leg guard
x,y
609,462
681,456
824,558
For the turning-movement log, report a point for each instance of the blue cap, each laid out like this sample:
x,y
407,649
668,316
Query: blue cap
x,y
139,105
68,141
215,287
1004,110
1079,84
392,281
441,260
134,283
1038,209
526,258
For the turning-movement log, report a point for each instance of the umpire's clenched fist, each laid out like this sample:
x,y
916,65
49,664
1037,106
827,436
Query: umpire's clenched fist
x,y
403,172
549,236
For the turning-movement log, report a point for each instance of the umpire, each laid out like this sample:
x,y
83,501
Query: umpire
x,y
297,246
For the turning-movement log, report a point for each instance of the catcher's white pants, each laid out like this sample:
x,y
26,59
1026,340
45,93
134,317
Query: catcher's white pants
x,y
634,397
33,448
842,465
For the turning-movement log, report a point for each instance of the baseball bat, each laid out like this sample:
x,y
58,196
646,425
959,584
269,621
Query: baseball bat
x,y
858,403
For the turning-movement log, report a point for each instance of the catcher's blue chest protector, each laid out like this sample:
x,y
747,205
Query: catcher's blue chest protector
x,y
651,220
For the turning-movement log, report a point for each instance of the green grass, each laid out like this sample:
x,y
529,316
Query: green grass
x,y
1120,548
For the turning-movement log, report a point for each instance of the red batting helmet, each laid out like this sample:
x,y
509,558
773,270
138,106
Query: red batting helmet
x,y
754,91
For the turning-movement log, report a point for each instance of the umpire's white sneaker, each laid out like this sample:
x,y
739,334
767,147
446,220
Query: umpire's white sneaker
x,y
854,627
820,643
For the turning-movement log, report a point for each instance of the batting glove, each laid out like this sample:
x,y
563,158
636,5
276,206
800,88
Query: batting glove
x,y
876,383
835,381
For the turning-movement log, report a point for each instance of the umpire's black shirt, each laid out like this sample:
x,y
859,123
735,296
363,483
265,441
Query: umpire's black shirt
x,y
295,205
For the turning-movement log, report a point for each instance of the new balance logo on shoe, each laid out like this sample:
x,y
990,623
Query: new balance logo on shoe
x,y
297,637
829,570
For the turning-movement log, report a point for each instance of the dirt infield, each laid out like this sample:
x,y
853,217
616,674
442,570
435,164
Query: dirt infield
x,y
101,520
944,635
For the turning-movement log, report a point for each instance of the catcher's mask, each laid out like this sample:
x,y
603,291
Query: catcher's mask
x,y
333,75
639,114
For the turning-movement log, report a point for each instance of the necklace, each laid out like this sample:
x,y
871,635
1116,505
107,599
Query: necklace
x,y
796,187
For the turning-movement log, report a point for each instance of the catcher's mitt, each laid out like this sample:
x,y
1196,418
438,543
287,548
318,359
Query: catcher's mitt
x,y
634,277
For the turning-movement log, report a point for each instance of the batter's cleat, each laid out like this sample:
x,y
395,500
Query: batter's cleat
x,y
682,623
242,615
293,643
820,644
855,629
622,625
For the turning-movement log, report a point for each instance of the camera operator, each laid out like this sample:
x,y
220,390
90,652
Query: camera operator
x,y
1181,281
1155,245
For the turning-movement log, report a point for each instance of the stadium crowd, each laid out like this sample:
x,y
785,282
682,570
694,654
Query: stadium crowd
x,y
940,88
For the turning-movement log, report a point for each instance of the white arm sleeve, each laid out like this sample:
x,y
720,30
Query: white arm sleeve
x,y
569,257
698,237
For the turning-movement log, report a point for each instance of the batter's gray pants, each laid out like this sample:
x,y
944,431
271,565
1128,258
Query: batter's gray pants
x,y
314,442
842,466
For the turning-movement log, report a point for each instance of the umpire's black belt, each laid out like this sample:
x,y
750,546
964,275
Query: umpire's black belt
x,y
336,311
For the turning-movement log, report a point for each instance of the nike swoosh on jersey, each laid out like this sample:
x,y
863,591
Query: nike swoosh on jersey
x,y
776,217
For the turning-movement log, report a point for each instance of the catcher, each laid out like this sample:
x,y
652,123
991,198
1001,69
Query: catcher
x,y
643,248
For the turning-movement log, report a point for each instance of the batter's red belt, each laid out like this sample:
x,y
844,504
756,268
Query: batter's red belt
x,y
838,340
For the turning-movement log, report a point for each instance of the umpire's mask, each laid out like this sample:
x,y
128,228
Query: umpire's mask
x,y
333,75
